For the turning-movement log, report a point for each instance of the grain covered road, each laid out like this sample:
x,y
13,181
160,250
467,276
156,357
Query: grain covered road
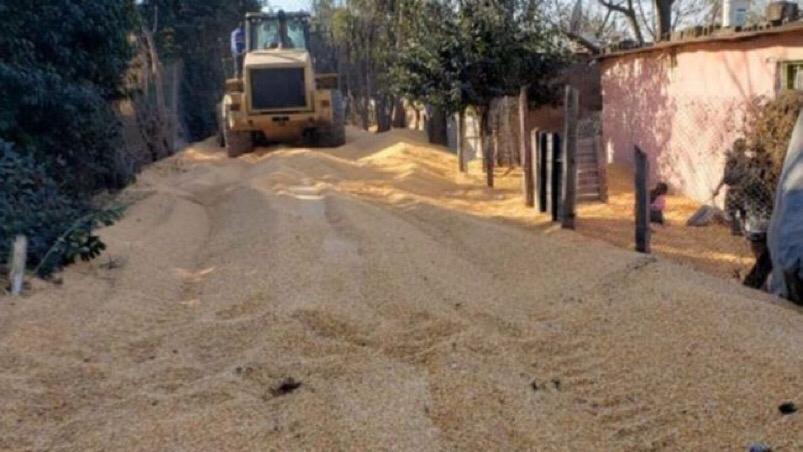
x,y
369,298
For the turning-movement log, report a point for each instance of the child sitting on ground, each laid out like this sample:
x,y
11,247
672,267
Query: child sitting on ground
x,y
658,202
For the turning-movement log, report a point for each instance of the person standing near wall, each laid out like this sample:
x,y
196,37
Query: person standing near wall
x,y
238,49
735,167
748,204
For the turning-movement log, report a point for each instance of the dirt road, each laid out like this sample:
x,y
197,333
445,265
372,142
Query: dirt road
x,y
374,276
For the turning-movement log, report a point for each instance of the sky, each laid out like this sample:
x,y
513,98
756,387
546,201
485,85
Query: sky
x,y
290,5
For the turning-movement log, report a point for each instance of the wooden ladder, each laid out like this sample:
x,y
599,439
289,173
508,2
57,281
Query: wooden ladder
x,y
591,170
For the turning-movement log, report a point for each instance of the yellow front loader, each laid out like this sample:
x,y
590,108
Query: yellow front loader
x,y
278,97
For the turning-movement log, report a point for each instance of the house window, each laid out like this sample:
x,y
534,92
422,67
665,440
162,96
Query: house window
x,y
792,75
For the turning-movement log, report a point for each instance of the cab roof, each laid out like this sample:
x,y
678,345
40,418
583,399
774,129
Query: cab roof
x,y
290,15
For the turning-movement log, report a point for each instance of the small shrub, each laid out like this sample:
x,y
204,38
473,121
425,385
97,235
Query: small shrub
x,y
770,129
59,228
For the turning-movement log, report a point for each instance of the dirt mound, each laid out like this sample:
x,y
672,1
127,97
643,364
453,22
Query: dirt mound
x,y
362,299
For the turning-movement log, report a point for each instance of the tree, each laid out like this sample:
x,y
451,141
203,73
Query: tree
x,y
197,34
365,34
657,19
627,10
471,51
429,68
663,15
63,66
58,87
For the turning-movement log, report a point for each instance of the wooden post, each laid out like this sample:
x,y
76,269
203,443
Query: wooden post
x,y
642,202
542,173
19,256
556,176
535,168
525,143
461,140
569,203
549,173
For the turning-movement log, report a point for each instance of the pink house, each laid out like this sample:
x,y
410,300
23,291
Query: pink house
x,y
684,102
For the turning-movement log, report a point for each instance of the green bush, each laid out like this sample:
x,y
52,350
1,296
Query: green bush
x,y
62,65
59,228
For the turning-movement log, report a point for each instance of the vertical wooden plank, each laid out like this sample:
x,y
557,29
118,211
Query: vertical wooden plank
x,y
542,173
642,207
19,256
461,140
549,173
569,192
556,177
525,143
535,167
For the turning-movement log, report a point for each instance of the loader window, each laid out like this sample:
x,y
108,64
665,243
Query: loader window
x,y
265,35
296,33
271,33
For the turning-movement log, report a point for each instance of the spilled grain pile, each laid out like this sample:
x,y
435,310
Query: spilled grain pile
x,y
367,298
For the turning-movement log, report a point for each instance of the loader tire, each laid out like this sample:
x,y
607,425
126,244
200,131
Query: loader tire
x,y
237,143
334,135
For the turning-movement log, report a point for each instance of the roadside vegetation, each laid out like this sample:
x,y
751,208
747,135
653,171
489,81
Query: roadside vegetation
x,y
64,67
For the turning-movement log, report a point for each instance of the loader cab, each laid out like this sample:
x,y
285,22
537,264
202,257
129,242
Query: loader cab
x,y
280,31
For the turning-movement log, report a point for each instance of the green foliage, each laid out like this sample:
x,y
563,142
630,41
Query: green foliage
x,y
430,66
62,63
461,53
32,204
78,241
197,33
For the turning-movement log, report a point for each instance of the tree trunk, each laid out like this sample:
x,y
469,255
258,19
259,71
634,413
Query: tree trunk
x,y
487,149
634,25
399,114
365,114
362,98
162,145
629,12
461,140
663,17
525,150
436,127
571,107
383,114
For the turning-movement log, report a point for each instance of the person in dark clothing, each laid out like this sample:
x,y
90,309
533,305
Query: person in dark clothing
x,y
735,167
757,200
